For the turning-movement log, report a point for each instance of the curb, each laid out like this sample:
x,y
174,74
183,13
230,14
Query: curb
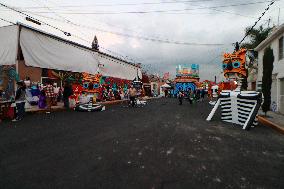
x,y
57,109
44,110
112,102
268,123
107,103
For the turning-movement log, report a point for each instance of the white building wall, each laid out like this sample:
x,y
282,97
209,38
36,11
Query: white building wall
x,y
277,73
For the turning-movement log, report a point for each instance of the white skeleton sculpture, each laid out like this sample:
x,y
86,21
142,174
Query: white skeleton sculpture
x,y
237,106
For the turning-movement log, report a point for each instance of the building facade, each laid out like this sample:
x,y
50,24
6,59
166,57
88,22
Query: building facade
x,y
276,41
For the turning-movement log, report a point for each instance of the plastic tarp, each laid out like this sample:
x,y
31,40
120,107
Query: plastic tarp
x,y
8,45
117,68
43,51
166,86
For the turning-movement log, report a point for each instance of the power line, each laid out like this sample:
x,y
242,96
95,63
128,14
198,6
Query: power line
x,y
138,36
28,16
123,4
126,58
7,21
248,32
156,11
39,21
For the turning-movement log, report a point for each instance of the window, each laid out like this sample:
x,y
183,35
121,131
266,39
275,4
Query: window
x,y
281,48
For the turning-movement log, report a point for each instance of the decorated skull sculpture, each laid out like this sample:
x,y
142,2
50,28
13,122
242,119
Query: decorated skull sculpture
x,y
234,64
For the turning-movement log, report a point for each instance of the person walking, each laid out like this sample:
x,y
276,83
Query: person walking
x,y
202,93
197,95
49,93
180,97
190,96
67,92
132,95
20,101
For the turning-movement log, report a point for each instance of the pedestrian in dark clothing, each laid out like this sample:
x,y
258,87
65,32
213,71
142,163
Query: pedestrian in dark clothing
x,y
190,96
67,92
180,97
202,93
20,101
197,94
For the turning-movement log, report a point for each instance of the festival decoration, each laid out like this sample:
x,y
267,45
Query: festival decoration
x,y
234,65
8,76
239,107
89,83
187,78
89,107
65,75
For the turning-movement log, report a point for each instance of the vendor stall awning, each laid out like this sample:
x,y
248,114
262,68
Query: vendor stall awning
x,y
42,51
8,45
119,69
45,50
166,86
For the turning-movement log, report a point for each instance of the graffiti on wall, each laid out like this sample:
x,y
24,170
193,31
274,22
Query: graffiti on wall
x,y
184,87
65,75
97,84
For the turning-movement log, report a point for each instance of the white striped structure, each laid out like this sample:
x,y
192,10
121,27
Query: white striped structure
x,y
239,107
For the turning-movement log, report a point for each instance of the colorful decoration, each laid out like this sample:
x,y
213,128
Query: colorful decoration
x,y
89,83
238,107
189,71
97,84
8,76
65,75
187,78
184,87
234,64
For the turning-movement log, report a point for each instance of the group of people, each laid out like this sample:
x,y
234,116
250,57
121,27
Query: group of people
x,y
120,94
48,95
129,94
192,96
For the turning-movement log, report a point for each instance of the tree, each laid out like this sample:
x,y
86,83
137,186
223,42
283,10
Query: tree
x,y
256,36
268,59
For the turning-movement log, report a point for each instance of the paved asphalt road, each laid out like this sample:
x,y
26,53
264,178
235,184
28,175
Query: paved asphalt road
x,y
160,146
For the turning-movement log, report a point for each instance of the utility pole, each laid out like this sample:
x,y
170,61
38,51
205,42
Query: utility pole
x,y
278,16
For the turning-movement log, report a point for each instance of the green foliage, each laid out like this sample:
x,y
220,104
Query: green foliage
x,y
268,59
256,37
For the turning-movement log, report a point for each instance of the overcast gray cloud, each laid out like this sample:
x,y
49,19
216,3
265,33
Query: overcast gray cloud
x,y
197,25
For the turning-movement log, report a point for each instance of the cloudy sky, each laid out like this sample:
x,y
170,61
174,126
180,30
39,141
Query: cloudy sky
x,y
160,34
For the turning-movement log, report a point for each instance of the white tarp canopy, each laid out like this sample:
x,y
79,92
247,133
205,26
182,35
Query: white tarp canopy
x,y
117,68
42,51
46,51
8,45
165,86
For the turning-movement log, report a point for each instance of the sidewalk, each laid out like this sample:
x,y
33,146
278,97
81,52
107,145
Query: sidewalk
x,y
36,109
274,120
60,105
